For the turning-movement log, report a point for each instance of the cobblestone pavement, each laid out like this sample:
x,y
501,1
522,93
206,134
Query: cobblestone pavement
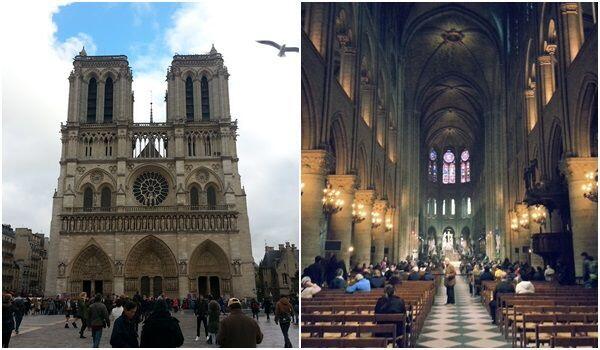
x,y
45,331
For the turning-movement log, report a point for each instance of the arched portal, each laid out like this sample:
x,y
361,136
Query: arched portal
x,y
209,271
91,272
151,268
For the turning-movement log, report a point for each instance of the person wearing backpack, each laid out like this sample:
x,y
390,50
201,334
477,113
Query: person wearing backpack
x,y
255,306
283,317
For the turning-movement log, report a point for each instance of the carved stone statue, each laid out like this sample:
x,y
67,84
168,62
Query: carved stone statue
x,y
182,267
61,269
118,268
237,267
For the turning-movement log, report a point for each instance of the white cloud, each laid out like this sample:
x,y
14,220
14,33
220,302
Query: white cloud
x,y
35,67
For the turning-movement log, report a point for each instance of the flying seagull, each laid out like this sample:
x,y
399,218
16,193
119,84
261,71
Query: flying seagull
x,y
282,49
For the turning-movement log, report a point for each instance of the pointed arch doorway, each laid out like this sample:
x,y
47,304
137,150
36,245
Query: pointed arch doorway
x,y
209,270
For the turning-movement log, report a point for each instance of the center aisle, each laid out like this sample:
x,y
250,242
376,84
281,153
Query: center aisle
x,y
466,324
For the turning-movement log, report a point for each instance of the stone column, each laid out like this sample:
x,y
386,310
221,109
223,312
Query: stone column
x,y
584,213
362,230
315,164
531,108
340,224
366,101
379,232
547,77
573,28
347,70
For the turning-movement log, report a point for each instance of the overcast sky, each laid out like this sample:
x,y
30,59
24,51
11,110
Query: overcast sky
x,y
39,42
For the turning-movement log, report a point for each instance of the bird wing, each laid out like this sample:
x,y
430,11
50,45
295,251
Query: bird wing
x,y
291,49
270,43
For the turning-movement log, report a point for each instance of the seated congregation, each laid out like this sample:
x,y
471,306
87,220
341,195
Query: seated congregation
x,y
535,307
372,306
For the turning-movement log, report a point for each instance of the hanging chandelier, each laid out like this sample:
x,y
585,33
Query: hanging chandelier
x,y
538,215
590,188
524,220
332,203
388,224
376,219
359,214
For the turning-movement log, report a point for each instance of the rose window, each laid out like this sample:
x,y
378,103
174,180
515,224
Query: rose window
x,y
150,189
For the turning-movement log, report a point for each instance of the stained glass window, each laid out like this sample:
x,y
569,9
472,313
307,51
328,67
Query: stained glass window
x,y
434,207
452,207
432,169
449,168
465,167
468,205
444,207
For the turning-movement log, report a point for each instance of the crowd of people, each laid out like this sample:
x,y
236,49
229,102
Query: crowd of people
x,y
225,324
331,273
517,277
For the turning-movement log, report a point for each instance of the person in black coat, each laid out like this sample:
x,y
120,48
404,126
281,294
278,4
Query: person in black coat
x,y
504,286
391,304
316,272
201,311
8,319
161,330
486,275
338,282
124,334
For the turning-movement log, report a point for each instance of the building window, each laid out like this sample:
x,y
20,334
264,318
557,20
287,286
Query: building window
x,y
434,207
452,207
465,167
443,207
88,199
449,169
108,100
432,166
285,279
91,100
468,205
205,99
194,198
189,99
105,198
211,196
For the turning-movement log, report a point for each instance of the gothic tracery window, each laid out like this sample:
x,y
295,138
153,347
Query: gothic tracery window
x,y
211,196
194,202
105,199
189,99
150,189
88,198
108,100
205,99
432,169
449,168
465,167
91,100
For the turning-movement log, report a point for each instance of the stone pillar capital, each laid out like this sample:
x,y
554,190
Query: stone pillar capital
x,y
575,168
569,8
346,183
530,93
365,197
317,162
545,60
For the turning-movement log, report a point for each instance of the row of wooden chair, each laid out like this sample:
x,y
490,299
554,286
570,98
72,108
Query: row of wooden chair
x,y
336,319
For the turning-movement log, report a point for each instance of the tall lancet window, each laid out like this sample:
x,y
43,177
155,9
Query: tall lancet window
x,y
204,94
91,100
189,99
465,167
108,100
432,166
449,168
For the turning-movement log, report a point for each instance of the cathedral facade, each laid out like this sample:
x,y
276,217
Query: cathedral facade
x,y
150,207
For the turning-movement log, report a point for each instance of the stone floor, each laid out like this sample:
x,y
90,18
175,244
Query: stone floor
x,y
45,331
466,324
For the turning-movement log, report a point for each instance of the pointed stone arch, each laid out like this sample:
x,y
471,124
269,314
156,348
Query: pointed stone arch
x,y
91,271
151,259
209,270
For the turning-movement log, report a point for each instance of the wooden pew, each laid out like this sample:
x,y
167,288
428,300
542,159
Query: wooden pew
x,y
344,342
545,333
